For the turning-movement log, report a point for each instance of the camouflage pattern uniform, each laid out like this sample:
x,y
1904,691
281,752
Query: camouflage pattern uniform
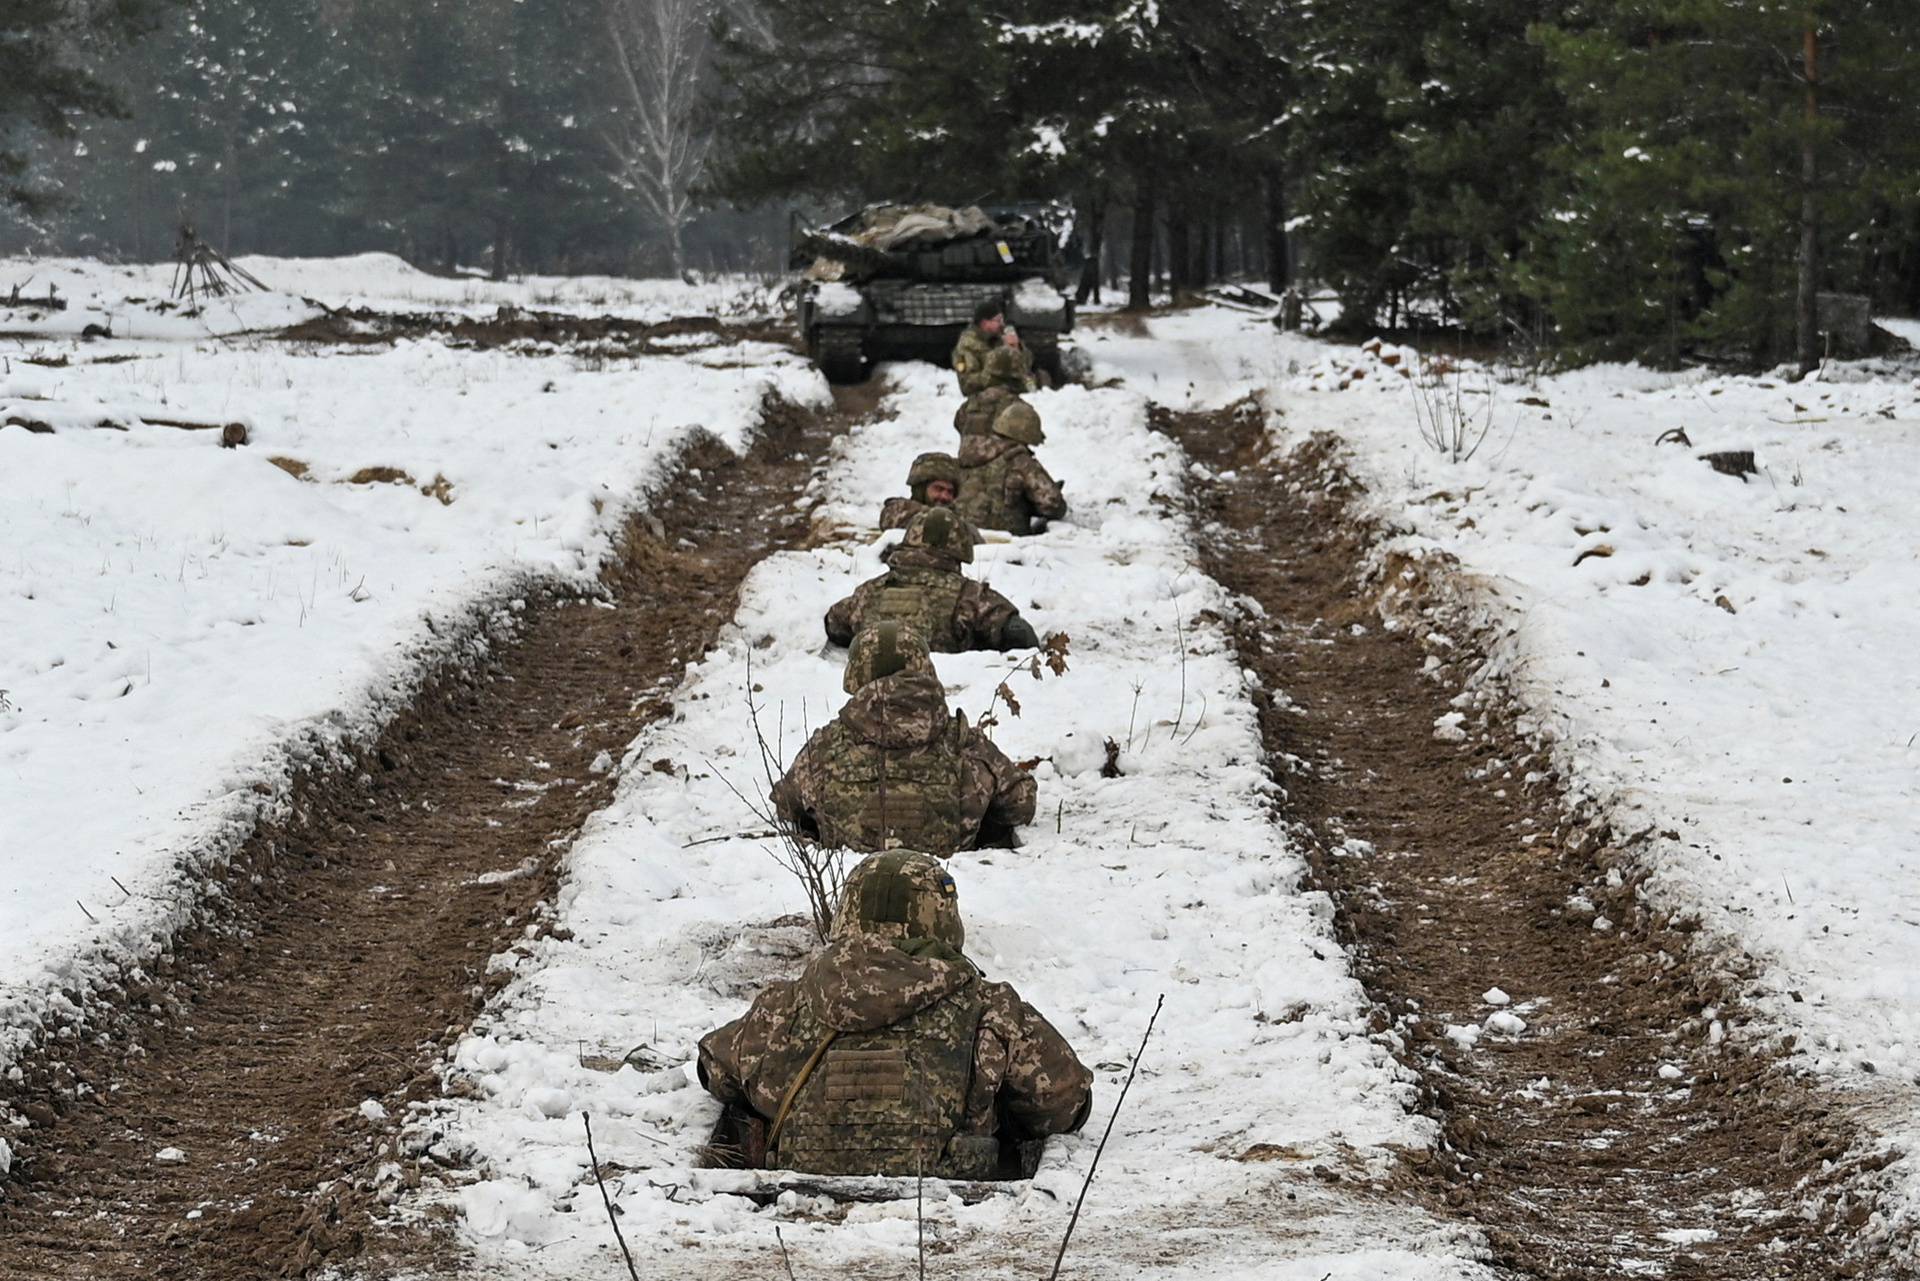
x,y
924,589
977,412
896,767
981,362
890,1054
1005,486
898,513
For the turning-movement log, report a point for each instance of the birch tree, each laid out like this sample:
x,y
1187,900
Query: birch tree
x,y
659,55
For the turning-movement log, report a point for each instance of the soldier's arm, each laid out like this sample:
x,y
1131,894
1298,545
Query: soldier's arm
x,y
983,614
839,620
1015,793
1046,1088
790,794
1043,491
729,1056
897,513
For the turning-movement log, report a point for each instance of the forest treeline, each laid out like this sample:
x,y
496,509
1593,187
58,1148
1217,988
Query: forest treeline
x,y
1652,179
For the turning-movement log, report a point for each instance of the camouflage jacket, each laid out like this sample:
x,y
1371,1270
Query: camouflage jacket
x,y
977,412
895,764
981,362
923,1061
1003,486
952,613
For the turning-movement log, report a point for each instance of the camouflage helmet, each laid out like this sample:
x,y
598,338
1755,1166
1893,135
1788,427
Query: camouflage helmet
x,y
939,530
931,467
885,649
1019,421
900,894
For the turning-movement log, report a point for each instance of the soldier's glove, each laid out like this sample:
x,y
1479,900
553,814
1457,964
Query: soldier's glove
x,y
1018,633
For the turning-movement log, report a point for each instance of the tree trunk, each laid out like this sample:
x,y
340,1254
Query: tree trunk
x,y
1274,200
1094,219
1807,335
1140,260
226,197
1179,250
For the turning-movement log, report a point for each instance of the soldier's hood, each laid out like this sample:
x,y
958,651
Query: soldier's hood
x,y
907,710
976,450
863,981
901,556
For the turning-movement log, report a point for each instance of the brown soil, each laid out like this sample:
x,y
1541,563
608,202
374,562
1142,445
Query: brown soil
x,y
514,327
347,946
1564,1142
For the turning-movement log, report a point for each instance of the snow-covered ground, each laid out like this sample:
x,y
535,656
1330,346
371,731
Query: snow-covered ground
x,y
1726,664
1265,1116
135,300
184,623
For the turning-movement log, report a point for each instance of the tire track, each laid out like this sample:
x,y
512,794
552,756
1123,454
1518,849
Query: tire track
x,y
1623,1132
237,1117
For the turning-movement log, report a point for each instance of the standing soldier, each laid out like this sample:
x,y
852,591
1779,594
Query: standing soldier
x,y
1002,485
897,767
890,1054
924,591
989,353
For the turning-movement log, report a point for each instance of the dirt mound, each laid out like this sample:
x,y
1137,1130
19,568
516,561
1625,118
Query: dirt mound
x,y
1603,1116
516,328
238,1116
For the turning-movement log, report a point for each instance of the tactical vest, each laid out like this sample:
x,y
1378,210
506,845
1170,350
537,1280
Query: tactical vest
x,y
985,498
873,795
888,1101
976,414
923,600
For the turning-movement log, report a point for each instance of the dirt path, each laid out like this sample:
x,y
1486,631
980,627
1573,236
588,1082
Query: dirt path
x,y
1617,1135
220,1128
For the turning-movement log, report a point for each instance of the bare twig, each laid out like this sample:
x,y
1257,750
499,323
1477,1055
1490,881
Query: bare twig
x,y
1095,1163
83,907
1180,637
784,1258
608,1200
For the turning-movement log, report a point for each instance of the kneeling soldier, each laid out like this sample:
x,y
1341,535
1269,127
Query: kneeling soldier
x,y
933,481
890,1054
924,591
896,767
1002,485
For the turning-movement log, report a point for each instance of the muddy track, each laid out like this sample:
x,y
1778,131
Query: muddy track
x,y
1624,1127
214,1126
536,332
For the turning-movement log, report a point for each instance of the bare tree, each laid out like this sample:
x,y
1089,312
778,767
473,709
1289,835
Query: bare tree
x,y
659,50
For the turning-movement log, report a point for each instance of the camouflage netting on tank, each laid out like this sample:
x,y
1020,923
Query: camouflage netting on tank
x,y
886,227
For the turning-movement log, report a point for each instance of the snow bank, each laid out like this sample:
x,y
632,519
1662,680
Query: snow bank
x,y
1725,664
184,623
136,300
1265,1114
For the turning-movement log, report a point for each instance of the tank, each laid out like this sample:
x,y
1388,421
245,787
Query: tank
x,y
899,282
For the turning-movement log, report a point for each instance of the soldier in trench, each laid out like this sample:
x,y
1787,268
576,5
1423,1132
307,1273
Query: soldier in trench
x,y
990,353
1002,485
933,481
896,767
925,591
891,1054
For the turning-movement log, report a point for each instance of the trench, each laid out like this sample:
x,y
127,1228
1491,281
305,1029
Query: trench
x,y
236,1113
1629,1129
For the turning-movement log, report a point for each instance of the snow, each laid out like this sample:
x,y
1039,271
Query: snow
x,y
836,299
1731,680
187,624
1168,879
1494,996
135,300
